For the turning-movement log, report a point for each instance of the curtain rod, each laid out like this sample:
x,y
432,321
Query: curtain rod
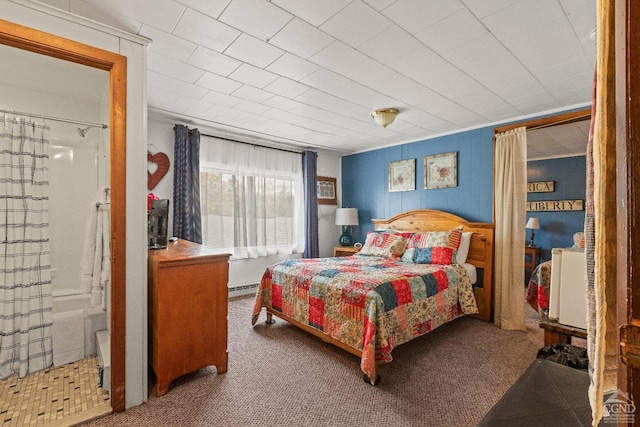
x,y
58,119
251,143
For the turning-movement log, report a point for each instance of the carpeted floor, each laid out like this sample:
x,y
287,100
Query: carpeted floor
x,y
281,376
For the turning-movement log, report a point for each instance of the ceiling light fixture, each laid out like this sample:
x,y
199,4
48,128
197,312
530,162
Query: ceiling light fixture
x,y
384,116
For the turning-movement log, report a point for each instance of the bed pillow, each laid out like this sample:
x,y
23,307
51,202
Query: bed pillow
x,y
384,244
433,247
463,249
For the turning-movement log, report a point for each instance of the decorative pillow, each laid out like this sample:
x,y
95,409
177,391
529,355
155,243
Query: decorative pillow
x,y
463,249
433,247
384,244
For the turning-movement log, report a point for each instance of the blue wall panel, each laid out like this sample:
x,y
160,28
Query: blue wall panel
x,y
557,227
365,180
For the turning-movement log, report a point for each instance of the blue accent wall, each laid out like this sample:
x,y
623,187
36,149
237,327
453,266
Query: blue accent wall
x,y
365,180
557,227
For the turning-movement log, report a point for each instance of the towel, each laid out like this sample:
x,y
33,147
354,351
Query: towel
x,y
96,255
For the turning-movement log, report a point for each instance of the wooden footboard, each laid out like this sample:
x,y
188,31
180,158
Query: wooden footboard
x,y
324,337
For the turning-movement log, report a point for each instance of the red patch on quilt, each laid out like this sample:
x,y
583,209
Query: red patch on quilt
x,y
403,291
276,297
352,294
441,279
316,312
441,255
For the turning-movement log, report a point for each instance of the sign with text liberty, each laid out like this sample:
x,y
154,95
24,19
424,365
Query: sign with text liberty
x,y
555,205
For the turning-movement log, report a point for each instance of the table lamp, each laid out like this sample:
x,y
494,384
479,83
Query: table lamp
x,y
346,217
533,224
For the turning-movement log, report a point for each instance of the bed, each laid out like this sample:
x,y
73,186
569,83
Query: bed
x,y
538,289
371,302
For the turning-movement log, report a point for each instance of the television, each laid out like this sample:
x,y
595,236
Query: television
x,y
158,224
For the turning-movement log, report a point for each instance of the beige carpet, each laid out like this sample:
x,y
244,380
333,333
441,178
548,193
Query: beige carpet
x,y
281,376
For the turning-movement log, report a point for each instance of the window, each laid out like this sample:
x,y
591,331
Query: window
x,y
251,199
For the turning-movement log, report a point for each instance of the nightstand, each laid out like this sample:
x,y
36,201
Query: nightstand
x,y
531,260
345,251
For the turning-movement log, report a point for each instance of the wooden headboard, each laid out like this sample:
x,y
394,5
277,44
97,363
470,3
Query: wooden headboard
x,y
480,250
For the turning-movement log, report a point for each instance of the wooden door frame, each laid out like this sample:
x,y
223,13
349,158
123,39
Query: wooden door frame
x,y
627,48
39,42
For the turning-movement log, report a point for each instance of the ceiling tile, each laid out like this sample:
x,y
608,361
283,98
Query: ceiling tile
x,y
338,57
482,8
210,60
282,103
301,39
173,68
379,5
192,106
253,76
253,51
213,8
168,44
161,14
313,11
416,15
344,88
390,45
169,84
218,83
286,87
453,31
221,99
293,67
258,18
252,94
251,107
204,30
356,23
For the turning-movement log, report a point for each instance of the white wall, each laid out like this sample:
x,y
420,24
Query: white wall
x,y
246,270
59,23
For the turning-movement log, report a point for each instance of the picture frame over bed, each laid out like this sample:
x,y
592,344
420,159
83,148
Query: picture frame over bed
x,y
323,295
441,170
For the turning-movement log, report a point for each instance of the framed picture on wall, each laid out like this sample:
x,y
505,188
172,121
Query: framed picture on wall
x,y
327,191
441,170
402,175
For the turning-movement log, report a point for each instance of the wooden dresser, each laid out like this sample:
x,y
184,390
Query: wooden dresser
x,y
187,310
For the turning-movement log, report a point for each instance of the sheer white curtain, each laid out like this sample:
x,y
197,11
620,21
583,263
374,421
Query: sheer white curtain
x,y
26,343
510,189
251,199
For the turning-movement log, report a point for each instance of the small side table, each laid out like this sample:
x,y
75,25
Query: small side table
x,y
531,260
344,251
555,332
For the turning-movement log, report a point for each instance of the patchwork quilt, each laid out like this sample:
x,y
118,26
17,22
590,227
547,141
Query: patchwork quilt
x,y
370,303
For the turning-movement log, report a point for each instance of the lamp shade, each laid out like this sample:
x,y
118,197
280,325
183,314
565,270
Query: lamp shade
x,y
533,224
384,116
347,216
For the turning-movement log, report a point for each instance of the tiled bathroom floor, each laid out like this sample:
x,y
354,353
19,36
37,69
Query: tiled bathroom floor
x,y
63,395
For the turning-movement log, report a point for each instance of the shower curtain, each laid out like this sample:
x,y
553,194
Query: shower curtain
x,y
25,267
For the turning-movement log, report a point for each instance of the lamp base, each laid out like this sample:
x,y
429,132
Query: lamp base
x,y
345,237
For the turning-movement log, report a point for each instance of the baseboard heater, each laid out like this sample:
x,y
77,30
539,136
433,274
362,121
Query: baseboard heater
x,y
242,289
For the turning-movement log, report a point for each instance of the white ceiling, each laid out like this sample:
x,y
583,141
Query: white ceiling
x,y
309,72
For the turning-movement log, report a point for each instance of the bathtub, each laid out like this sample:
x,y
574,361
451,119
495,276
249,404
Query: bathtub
x,y
75,324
